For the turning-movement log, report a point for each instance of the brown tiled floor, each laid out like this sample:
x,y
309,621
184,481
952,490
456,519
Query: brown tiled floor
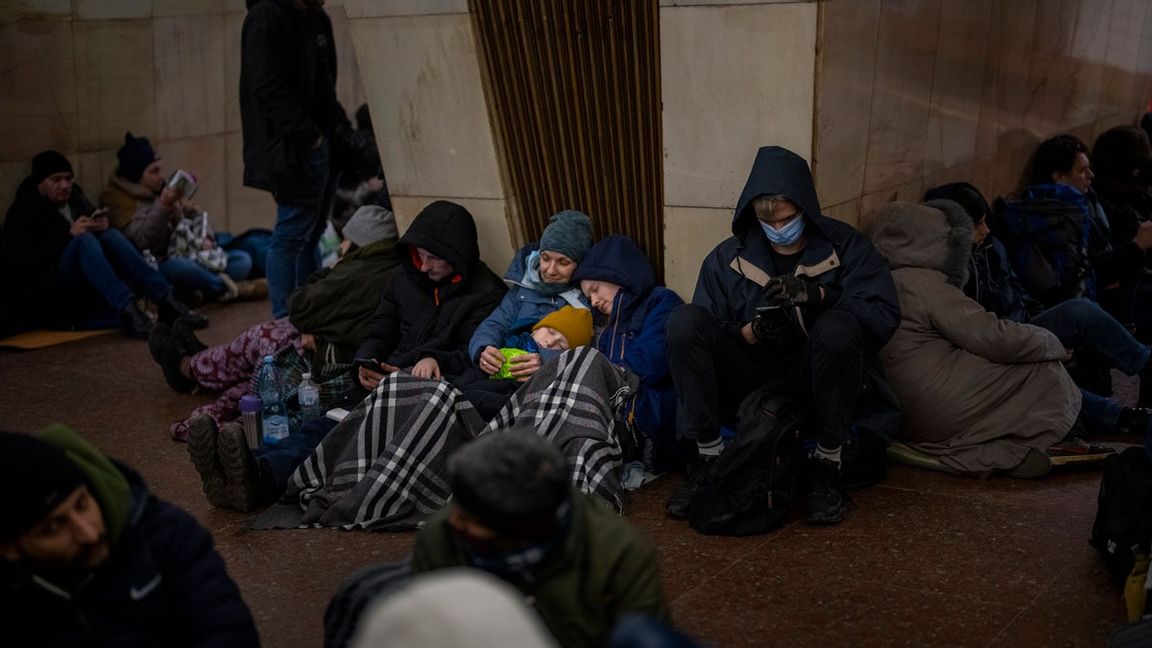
x,y
926,559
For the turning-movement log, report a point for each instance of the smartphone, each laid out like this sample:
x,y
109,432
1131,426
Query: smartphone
x,y
766,309
370,364
99,213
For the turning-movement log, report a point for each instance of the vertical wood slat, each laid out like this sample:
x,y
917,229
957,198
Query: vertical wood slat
x,y
575,87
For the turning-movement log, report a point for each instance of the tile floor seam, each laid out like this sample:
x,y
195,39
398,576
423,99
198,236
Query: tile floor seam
x,y
707,579
1028,606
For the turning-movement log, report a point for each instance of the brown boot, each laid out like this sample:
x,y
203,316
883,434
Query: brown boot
x,y
252,288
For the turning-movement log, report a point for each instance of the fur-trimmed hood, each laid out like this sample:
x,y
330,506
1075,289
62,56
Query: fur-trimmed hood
x,y
936,235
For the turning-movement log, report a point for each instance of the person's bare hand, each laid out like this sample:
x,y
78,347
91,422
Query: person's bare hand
x,y
427,368
81,225
308,341
370,379
169,197
491,360
99,220
748,335
317,143
523,366
1144,235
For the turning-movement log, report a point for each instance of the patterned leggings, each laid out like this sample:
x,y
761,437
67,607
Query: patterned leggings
x,y
229,368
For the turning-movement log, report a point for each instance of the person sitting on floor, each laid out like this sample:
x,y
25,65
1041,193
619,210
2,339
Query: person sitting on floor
x,y
88,557
424,318
1081,324
327,319
80,272
515,515
982,394
618,280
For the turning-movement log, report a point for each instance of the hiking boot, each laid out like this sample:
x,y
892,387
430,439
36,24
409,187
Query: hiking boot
x,y
135,323
166,351
252,288
202,439
680,501
189,343
828,503
169,308
241,474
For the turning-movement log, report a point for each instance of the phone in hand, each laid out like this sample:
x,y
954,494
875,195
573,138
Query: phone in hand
x,y
99,213
370,364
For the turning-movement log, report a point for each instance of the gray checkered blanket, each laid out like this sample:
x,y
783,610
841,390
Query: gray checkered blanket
x,y
385,466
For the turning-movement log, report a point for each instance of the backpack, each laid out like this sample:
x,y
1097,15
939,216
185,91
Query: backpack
x,y
1123,526
1046,234
752,486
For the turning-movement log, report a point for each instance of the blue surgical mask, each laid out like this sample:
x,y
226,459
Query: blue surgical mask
x,y
786,235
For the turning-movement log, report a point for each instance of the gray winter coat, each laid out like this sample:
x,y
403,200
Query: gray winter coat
x,y
978,391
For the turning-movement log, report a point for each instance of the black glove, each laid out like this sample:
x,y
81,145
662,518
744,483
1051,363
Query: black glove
x,y
773,327
791,290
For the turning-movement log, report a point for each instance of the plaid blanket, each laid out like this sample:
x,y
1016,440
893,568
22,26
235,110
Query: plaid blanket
x,y
385,466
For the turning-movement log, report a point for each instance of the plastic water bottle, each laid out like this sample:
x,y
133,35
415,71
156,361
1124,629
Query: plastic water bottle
x,y
309,395
274,414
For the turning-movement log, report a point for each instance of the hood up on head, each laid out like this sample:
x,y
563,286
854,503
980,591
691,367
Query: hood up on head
x,y
936,235
777,172
448,231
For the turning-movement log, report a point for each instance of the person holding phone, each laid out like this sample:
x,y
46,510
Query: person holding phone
x,y
73,269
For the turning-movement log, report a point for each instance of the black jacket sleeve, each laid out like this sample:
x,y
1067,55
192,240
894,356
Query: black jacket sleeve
x,y
267,40
384,328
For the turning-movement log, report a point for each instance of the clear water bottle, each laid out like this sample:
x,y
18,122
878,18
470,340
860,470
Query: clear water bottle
x,y
309,395
273,412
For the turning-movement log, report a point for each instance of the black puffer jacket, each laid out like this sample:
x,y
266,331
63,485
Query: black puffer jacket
x,y
287,96
418,318
164,585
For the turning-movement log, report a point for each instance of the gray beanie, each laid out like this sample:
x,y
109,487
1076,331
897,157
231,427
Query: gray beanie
x,y
371,223
569,233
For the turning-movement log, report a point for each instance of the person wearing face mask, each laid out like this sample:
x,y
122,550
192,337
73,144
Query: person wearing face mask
x,y
515,515
89,557
632,312
795,301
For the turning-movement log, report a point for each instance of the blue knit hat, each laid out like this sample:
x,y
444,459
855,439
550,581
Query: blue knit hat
x,y
569,233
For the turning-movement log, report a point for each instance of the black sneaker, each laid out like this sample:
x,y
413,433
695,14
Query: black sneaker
x,y
202,435
828,503
134,322
166,351
169,309
189,343
680,501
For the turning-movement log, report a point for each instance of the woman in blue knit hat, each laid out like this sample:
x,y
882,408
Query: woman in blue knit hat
x,y
540,282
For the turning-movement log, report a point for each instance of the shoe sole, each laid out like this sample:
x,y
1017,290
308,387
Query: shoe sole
x,y
202,451
237,463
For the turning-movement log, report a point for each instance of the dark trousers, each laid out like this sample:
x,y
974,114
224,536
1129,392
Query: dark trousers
x,y
714,371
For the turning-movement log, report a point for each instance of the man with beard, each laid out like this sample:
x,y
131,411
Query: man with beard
x,y
89,557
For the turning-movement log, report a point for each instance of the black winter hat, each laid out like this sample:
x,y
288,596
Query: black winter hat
x,y
135,156
35,476
966,194
47,163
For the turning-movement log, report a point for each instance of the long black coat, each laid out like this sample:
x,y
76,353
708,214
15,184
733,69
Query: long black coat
x,y
420,319
287,96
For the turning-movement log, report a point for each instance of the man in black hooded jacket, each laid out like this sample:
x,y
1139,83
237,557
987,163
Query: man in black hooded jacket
x,y
793,300
427,313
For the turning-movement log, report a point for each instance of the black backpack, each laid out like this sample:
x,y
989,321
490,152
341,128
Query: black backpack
x,y
752,486
1123,524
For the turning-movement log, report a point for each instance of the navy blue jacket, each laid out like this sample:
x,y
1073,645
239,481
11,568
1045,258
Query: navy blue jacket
x,y
164,585
993,284
731,278
634,334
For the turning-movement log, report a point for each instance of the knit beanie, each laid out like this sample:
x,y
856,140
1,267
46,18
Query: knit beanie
x,y
573,323
370,224
47,163
135,156
35,477
967,195
569,233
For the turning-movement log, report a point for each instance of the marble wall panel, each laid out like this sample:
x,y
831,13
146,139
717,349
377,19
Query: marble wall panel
x,y
396,8
38,96
422,78
348,86
690,233
1005,94
901,96
92,170
189,57
847,68
112,9
496,246
233,22
161,8
1125,37
13,10
114,81
754,88
1082,99
957,84
849,211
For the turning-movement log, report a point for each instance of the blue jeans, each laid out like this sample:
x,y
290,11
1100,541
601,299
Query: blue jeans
x,y
282,459
182,271
293,254
1082,324
108,264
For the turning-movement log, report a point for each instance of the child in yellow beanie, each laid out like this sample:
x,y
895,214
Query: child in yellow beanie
x,y
560,330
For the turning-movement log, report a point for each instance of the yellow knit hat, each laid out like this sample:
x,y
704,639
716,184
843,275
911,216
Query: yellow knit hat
x,y
573,323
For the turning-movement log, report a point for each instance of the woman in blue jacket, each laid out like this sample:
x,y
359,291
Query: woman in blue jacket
x,y
632,310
